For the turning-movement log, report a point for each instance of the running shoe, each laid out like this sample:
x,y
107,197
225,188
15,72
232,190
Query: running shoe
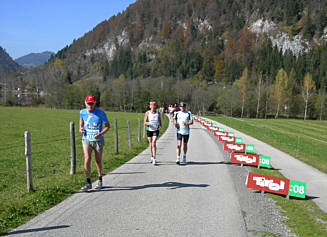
x,y
99,185
151,161
184,159
177,161
154,161
86,187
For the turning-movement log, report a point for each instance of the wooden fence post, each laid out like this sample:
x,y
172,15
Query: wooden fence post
x,y
162,117
72,148
143,131
138,129
116,137
128,135
28,155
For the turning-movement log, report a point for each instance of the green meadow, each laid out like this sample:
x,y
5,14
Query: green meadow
x,y
50,145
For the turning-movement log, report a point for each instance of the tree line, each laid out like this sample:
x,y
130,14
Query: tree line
x,y
225,69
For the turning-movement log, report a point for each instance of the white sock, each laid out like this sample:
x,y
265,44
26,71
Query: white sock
x,y
178,157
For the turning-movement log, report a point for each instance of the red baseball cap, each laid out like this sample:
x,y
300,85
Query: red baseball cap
x,y
90,99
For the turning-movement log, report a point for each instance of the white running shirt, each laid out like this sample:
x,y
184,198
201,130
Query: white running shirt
x,y
154,121
182,118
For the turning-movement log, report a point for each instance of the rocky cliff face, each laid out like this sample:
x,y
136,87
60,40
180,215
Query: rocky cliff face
x,y
282,40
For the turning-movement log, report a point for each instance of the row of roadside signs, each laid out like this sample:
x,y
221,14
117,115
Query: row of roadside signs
x,y
244,154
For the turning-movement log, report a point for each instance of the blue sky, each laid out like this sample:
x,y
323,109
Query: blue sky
x,y
28,26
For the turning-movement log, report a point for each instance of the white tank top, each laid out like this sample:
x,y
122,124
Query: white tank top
x,y
154,120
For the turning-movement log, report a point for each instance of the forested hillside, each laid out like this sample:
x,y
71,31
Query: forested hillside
x,y
241,58
7,64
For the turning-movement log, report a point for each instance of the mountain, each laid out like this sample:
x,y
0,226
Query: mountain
x,y
7,64
34,59
143,40
201,51
211,40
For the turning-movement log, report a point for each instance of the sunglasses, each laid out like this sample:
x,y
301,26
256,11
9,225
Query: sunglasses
x,y
90,104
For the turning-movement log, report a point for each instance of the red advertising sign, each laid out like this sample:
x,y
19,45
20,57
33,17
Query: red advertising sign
x,y
220,134
226,139
206,124
214,129
267,183
234,147
246,159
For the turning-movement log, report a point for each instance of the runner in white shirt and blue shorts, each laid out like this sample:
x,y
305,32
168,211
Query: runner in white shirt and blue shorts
x,y
152,121
182,121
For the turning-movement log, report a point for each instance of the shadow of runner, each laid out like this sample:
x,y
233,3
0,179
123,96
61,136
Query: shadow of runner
x,y
37,229
193,163
128,173
206,163
169,185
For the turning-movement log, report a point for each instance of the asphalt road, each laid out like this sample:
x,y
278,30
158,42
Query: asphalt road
x,y
139,199
291,168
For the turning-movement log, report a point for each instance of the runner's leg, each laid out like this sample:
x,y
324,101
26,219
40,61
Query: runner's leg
x,y
154,146
87,150
98,163
179,145
150,145
185,141
185,147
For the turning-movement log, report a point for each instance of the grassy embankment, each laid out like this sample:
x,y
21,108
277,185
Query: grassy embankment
x,y
306,140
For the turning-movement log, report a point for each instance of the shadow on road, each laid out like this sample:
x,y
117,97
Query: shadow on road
x,y
137,163
206,163
37,229
193,163
128,173
264,168
188,163
168,185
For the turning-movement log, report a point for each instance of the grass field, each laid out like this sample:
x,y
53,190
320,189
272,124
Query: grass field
x,y
305,140
50,158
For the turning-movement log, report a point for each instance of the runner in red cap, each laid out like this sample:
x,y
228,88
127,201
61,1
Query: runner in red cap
x,y
152,121
90,125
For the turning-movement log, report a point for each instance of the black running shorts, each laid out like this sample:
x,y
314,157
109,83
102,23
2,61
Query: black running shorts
x,y
152,133
184,137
